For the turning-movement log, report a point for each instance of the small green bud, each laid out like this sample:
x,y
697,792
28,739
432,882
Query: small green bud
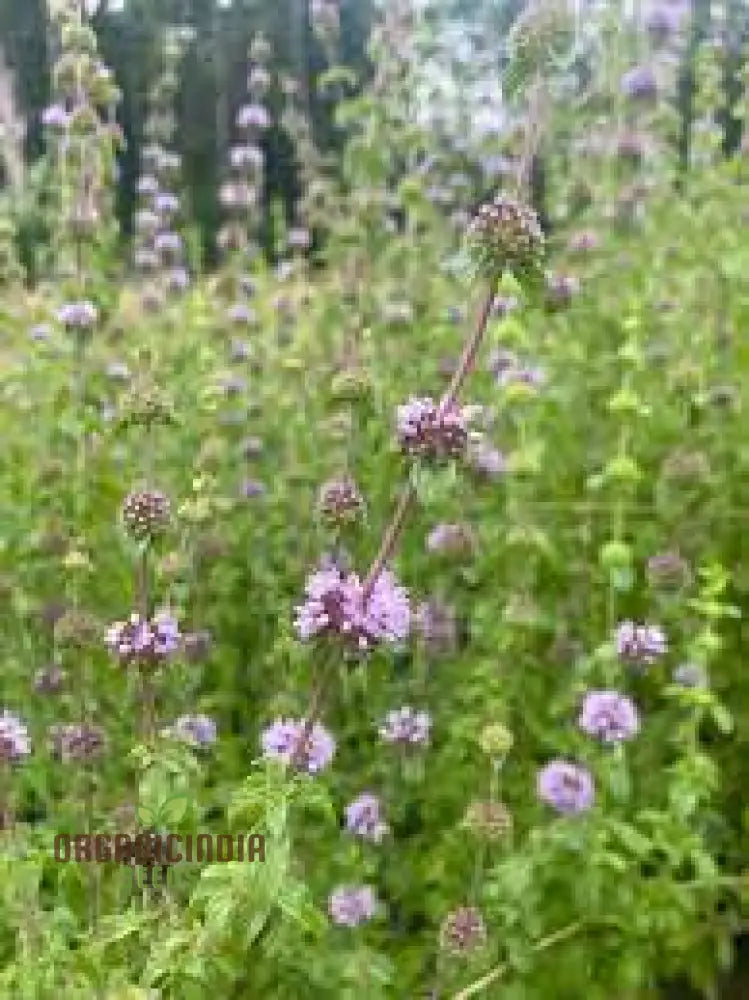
x,y
615,555
496,740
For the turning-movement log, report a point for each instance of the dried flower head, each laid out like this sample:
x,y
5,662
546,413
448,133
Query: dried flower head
x,y
197,645
146,407
146,514
340,501
463,931
75,743
542,33
668,571
437,626
505,235
76,629
488,820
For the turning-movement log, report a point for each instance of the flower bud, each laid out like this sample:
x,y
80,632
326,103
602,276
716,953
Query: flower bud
x,y
146,514
505,235
463,931
496,740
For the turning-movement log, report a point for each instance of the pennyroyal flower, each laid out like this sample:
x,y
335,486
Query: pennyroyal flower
x,y
609,716
351,905
335,604
566,787
282,741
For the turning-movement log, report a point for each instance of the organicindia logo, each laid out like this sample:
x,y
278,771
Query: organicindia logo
x,y
155,845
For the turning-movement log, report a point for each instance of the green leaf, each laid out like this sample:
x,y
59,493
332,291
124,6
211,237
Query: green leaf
x,y
173,810
630,837
146,815
722,718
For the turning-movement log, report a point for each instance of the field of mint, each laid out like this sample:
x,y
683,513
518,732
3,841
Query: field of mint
x,y
420,550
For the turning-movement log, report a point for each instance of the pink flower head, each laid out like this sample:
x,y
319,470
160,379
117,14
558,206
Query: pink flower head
x,y
350,905
430,431
282,741
335,605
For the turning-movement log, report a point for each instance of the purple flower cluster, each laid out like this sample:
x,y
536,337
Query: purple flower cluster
x,y
200,730
160,248
253,116
145,642
437,626
639,84
640,644
364,818
351,905
56,117
665,19
40,332
428,430
147,186
566,787
583,241
463,931
508,370
78,315
168,243
486,460
406,726
299,238
75,743
241,314
339,501
450,539
166,204
246,159
336,605
609,716
561,289
282,741
14,738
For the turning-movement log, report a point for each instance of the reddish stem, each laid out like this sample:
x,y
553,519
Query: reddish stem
x,y
393,530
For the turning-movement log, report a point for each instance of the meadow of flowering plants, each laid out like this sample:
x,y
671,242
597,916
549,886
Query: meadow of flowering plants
x,y
417,547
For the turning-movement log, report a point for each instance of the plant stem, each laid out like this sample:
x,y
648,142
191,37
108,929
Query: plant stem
x,y
500,970
147,694
394,528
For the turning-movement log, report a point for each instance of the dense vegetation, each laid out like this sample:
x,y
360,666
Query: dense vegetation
x,y
416,544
